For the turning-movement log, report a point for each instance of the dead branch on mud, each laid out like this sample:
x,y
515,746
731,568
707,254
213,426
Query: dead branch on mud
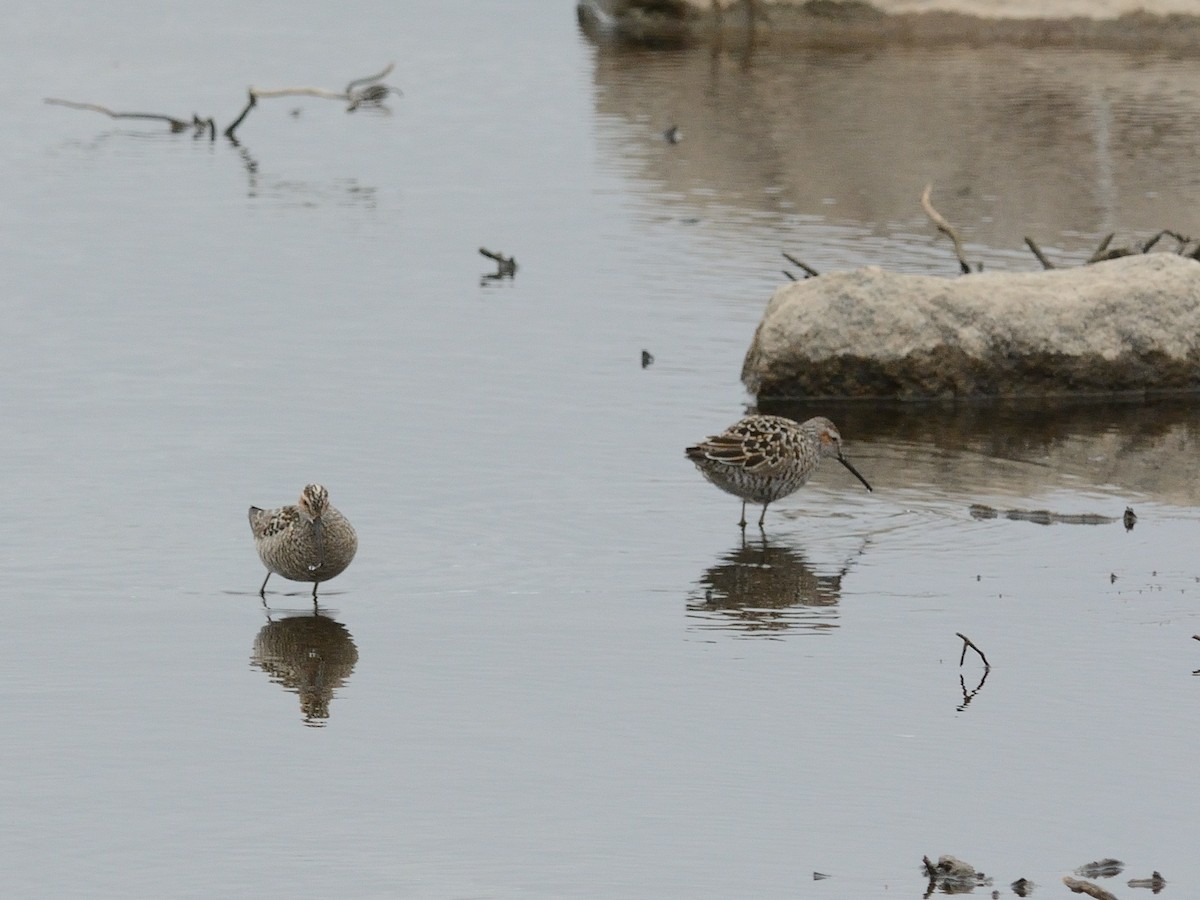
x,y
945,228
366,91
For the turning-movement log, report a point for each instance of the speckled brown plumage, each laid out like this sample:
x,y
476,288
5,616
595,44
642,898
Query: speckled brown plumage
x,y
308,541
764,458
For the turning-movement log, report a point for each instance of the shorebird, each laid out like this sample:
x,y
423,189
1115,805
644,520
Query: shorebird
x,y
764,458
310,541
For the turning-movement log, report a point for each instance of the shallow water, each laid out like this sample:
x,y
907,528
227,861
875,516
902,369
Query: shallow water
x,y
557,668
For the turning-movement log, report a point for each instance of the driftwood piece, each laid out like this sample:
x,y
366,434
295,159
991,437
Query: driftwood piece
x,y
945,228
1079,886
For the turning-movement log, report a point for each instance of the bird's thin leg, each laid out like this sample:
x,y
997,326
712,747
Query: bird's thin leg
x,y
316,584
262,591
763,516
742,524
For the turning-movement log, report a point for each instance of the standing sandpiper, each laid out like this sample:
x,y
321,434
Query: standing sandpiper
x,y
310,541
764,458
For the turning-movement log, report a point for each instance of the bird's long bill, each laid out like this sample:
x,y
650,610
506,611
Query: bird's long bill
x,y
319,538
845,462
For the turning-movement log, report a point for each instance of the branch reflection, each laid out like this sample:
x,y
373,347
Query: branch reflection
x,y
310,655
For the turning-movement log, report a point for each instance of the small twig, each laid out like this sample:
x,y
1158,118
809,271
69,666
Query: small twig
x,y
808,270
1181,240
788,274
1150,243
387,70
967,642
251,102
1079,886
1046,264
945,228
1095,257
506,266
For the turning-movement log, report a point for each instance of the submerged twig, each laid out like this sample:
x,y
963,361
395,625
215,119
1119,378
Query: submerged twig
x,y
945,228
967,642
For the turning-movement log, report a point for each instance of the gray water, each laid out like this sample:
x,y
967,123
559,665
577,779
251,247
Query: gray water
x,y
556,668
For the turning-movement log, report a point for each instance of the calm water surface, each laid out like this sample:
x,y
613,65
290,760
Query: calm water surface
x,y
557,668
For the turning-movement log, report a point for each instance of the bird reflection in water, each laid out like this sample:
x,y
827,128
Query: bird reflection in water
x,y
765,589
310,655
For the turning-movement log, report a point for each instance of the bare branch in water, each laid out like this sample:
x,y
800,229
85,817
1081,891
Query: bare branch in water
x,y
967,642
176,125
945,228
250,104
372,94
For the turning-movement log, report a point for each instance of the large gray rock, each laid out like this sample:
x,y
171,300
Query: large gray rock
x,y
1128,325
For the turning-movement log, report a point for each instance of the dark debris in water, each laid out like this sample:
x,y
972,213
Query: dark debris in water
x,y
1101,868
1022,887
1044,516
951,875
506,266
1155,882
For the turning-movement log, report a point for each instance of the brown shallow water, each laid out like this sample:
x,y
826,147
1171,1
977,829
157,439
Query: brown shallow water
x,y
557,668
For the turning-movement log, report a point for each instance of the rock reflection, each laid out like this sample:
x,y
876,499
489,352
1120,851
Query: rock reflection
x,y
1145,444
310,655
765,589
